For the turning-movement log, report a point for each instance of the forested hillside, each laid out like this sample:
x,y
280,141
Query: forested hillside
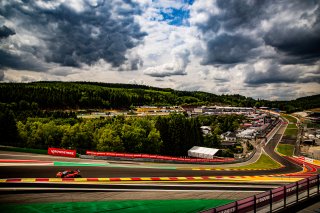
x,y
41,115
67,95
89,95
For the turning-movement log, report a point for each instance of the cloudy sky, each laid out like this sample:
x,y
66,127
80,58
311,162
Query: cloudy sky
x,y
259,48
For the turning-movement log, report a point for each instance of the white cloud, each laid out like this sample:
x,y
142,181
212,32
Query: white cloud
x,y
136,81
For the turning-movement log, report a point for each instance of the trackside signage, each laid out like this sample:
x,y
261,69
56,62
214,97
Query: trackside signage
x,y
62,152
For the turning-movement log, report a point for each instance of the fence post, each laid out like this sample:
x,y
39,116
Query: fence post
x,y
270,196
236,206
308,186
297,192
254,203
285,196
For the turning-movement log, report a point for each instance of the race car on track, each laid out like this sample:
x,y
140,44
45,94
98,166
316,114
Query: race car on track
x,y
69,174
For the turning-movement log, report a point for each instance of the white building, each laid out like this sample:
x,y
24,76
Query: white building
x,y
202,152
229,136
205,129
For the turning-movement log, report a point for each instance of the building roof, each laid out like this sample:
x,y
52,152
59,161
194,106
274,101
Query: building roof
x,y
229,134
206,127
202,152
228,143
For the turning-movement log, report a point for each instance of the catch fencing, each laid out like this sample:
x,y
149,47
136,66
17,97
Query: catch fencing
x,y
157,157
275,200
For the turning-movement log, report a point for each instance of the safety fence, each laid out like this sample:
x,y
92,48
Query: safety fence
x,y
274,200
159,157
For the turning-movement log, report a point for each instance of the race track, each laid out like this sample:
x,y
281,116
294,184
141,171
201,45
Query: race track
x,y
101,172
135,169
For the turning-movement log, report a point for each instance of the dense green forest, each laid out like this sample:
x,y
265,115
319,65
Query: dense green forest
x,y
167,135
90,95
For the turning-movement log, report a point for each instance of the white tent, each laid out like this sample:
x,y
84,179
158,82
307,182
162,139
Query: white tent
x,y
202,152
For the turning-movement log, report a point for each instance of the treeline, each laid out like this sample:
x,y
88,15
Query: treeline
x,y
89,95
167,135
300,104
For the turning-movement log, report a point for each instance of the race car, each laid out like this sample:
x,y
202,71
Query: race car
x,y
69,174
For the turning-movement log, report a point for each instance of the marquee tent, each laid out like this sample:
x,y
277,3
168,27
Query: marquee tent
x,y
202,152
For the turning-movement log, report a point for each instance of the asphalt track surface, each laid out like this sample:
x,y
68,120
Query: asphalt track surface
x,y
269,149
101,172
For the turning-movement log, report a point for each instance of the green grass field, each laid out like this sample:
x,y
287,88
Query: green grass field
x,y
292,126
291,132
125,206
264,162
289,118
285,149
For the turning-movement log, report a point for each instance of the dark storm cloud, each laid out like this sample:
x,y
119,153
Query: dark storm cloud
x,y
21,62
229,49
274,74
234,14
271,75
300,44
297,43
72,36
1,75
242,30
240,14
6,32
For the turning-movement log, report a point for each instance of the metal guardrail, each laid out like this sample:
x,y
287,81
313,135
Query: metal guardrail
x,y
274,200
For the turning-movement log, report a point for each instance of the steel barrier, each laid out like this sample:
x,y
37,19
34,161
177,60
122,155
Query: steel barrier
x,y
274,200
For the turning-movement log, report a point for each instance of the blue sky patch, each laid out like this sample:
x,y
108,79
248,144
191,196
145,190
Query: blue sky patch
x,y
177,16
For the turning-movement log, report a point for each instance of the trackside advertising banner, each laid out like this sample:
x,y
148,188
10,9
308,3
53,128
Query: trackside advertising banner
x,y
62,152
